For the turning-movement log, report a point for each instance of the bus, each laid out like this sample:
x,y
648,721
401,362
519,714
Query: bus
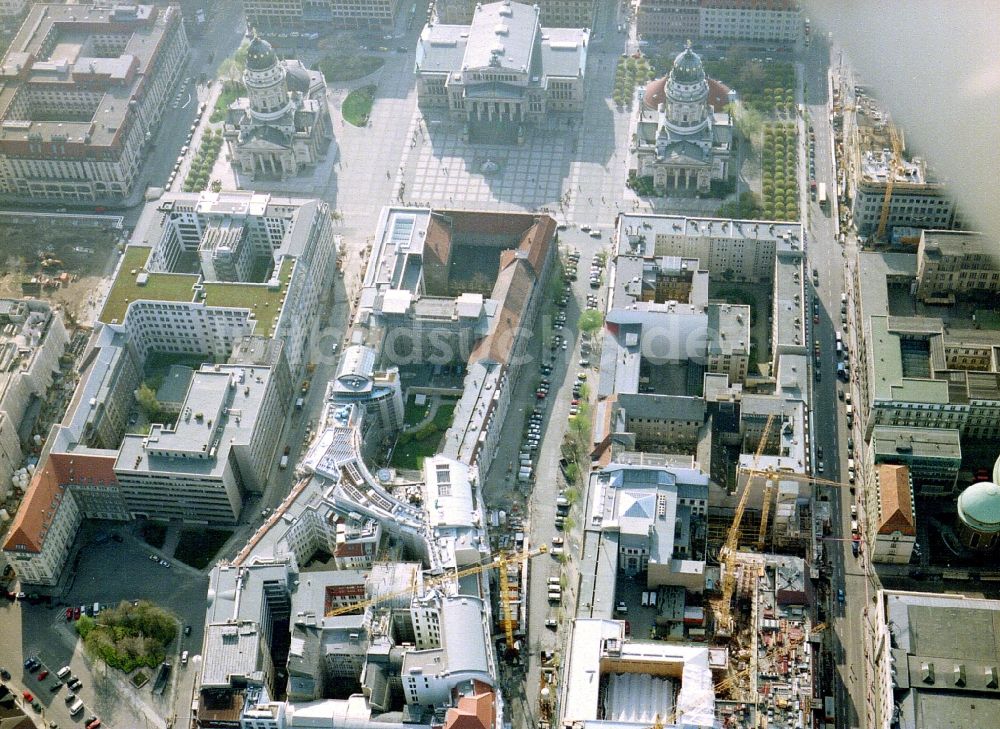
x,y
821,195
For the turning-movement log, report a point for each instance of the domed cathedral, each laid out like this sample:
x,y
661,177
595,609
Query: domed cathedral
x,y
679,139
282,126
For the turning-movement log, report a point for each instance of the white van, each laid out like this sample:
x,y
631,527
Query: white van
x,y
76,707
645,599
63,672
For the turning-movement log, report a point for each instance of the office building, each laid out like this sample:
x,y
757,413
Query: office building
x,y
263,262
554,13
416,306
742,250
11,12
282,127
84,90
913,371
930,661
918,198
933,455
222,447
300,14
501,71
681,142
32,339
956,265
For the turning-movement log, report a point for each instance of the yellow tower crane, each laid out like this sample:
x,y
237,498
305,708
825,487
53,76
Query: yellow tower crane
x,y
499,562
894,165
728,551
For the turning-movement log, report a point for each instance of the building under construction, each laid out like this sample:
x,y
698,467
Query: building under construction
x,y
878,161
774,647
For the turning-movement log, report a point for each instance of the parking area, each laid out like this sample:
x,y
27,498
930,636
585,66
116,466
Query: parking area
x,y
106,571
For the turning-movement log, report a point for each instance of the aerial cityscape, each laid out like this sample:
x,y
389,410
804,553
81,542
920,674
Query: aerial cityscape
x,y
606,364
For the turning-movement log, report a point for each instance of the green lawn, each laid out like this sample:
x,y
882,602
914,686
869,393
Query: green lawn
x,y
229,94
158,286
414,413
412,448
358,105
340,68
988,319
410,456
198,547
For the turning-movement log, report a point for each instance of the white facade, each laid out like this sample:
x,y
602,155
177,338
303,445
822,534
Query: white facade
x,y
748,21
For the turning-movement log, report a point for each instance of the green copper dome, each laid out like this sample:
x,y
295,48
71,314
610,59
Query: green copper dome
x,y
979,507
260,55
687,67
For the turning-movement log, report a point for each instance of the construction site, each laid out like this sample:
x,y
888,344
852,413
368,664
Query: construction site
x,y
887,193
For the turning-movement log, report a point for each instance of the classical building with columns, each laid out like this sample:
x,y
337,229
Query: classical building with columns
x,y
282,126
502,71
679,139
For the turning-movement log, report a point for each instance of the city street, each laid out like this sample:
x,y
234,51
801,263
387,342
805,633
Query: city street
x,y
829,425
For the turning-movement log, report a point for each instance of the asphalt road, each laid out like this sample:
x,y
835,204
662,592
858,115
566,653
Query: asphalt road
x,y
829,424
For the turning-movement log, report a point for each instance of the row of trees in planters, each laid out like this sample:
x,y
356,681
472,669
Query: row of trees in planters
x,y
629,73
779,182
203,162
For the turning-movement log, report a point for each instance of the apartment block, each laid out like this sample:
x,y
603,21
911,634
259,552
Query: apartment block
x,y
43,530
751,21
956,265
669,18
354,14
554,13
84,90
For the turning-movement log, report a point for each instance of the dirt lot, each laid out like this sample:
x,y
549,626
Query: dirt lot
x,y
82,250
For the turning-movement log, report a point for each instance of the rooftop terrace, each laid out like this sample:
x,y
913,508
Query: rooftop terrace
x,y
134,283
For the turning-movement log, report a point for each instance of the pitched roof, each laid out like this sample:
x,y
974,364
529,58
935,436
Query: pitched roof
x,y
472,712
895,505
514,286
45,493
536,242
86,469
437,242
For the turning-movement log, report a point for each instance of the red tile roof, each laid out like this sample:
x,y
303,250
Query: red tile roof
x,y
473,712
47,489
38,509
896,506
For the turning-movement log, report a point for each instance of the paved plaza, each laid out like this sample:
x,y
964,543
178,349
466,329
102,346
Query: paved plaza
x,y
442,169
